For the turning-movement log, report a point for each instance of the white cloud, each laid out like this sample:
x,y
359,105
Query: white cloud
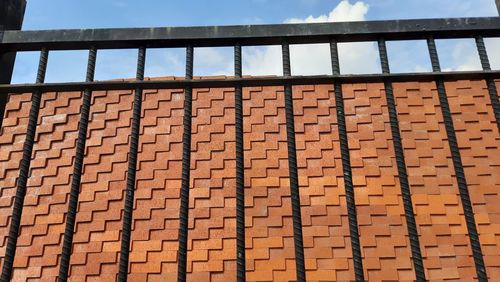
x,y
262,60
310,59
361,57
307,59
344,12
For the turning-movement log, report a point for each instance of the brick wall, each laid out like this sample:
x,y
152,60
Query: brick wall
x,y
269,238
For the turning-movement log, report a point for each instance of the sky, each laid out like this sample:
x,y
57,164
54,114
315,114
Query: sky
x,y
305,59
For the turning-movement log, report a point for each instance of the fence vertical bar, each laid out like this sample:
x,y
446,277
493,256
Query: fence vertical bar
x,y
346,166
457,163
401,164
292,166
240,171
132,169
490,82
186,169
17,210
77,170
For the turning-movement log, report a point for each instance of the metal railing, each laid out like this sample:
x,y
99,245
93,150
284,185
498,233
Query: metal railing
x,y
238,36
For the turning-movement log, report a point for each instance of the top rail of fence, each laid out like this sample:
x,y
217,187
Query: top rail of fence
x,y
162,37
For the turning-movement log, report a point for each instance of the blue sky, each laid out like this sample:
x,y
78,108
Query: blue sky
x,y
70,66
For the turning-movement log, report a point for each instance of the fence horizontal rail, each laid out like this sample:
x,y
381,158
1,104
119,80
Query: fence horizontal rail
x,y
118,38
245,81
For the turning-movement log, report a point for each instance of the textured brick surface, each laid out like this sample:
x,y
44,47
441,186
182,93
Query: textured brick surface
x,y
479,141
327,244
154,243
268,210
96,243
438,210
270,254
382,225
45,205
212,199
11,145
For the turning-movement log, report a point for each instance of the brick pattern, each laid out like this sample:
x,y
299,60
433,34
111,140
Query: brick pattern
x,y
270,253
327,244
11,146
96,243
45,205
269,235
478,140
153,254
436,201
382,226
212,199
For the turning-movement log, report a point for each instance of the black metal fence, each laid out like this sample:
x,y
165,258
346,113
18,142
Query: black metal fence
x,y
238,36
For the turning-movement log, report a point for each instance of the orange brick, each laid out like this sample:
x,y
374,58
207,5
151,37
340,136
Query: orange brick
x,y
434,190
375,178
270,254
